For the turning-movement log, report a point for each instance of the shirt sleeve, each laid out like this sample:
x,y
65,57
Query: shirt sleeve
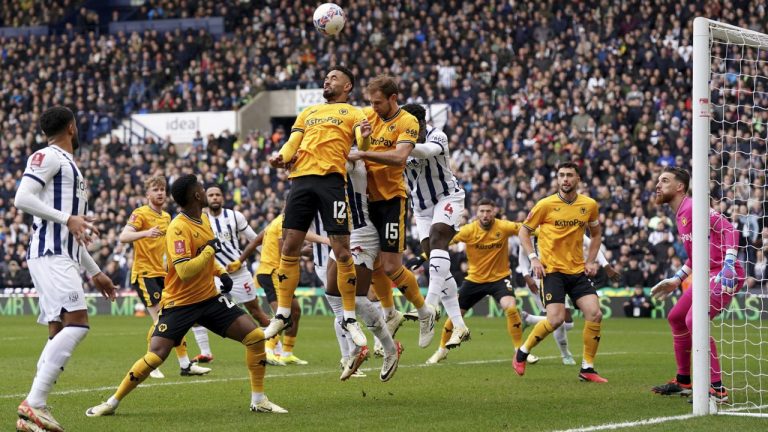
x,y
510,228
42,166
462,235
594,214
535,216
298,125
178,245
240,223
136,220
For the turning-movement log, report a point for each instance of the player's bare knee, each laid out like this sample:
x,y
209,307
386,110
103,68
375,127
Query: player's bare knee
x,y
555,321
594,316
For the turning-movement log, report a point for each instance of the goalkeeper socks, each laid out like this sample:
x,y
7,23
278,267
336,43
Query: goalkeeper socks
x,y
181,353
447,332
382,286
683,379
541,330
682,344
288,280
450,299
346,280
591,336
405,281
439,271
201,336
288,343
255,359
57,354
138,373
514,326
714,362
341,334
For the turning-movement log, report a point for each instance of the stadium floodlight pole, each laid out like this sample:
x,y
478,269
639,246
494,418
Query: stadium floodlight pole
x,y
700,189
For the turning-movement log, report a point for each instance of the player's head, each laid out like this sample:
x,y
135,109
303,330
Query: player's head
x,y
486,212
187,191
382,92
673,182
568,177
215,198
59,121
338,84
154,189
420,113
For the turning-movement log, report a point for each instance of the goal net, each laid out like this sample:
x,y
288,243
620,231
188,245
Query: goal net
x,y
730,142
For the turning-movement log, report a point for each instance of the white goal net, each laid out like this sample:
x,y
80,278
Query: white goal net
x,y
732,140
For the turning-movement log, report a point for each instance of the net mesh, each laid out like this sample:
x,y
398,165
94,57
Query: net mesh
x,y
738,88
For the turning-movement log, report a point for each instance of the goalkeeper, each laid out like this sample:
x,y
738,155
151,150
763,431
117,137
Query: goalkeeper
x,y
726,278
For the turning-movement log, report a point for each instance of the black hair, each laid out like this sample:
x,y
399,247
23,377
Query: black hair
x,y
346,72
571,165
55,119
416,110
680,174
182,187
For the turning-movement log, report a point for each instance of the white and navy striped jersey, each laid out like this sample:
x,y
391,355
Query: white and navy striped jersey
x,y
65,190
431,178
227,227
357,184
320,252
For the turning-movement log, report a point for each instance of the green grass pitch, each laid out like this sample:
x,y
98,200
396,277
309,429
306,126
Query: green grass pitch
x,y
475,389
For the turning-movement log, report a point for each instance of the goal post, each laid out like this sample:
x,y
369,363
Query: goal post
x,y
730,142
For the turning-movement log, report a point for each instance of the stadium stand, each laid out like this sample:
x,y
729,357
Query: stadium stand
x,y
605,84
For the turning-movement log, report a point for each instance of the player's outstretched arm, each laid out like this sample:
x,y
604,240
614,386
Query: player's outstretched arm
x,y
396,157
314,238
253,244
129,234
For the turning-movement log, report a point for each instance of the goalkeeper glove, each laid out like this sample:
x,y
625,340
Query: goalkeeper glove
x,y
226,283
234,266
416,262
727,276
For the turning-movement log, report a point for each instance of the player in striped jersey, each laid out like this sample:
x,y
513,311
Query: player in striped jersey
x,y
145,231
365,248
228,225
560,334
438,202
54,192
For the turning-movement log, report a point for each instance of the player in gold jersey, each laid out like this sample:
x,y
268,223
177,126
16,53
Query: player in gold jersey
x,y
316,154
393,138
145,230
190,297
487,249
562,219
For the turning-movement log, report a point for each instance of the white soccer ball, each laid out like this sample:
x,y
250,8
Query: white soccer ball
x,y
329,19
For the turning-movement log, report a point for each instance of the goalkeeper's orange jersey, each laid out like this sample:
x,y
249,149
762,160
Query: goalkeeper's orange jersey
x,y
385,181
185,238
270,247
487,250
148,253
562,225
328,133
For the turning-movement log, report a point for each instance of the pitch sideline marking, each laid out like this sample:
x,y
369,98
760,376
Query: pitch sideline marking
x,y
646,422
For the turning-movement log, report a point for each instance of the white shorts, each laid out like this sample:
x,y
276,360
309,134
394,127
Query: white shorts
x,y
59,286
364,246
448,211
243,289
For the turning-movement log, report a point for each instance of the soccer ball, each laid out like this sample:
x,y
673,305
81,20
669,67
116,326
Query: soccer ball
x,y
329,19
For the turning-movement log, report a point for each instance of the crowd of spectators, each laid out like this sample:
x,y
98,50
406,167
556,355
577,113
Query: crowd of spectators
x,y
23,13
529,85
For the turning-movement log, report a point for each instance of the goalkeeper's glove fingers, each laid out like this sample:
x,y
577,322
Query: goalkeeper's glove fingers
x,y
234,266
727,276
226,283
